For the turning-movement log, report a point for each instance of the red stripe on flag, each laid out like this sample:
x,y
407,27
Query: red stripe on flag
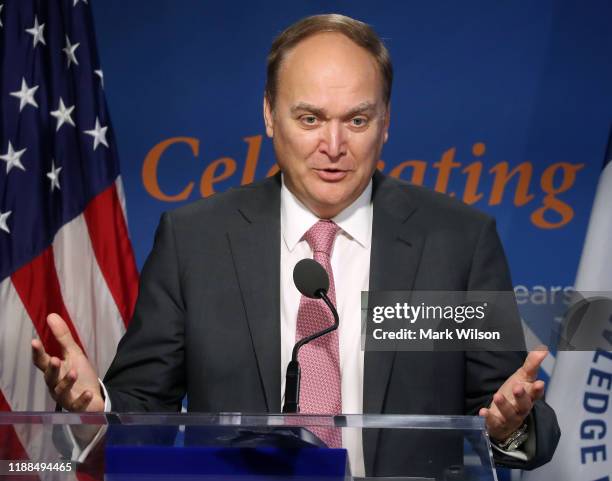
x,y
10,447
113,249
38,287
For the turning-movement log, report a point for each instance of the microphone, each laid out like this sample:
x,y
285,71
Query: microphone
x,y
310,278
312,281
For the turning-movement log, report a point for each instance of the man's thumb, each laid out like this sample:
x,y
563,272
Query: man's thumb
x,y
533,361
60,331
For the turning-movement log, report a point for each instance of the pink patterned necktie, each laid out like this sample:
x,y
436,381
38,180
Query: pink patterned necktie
x,y
320,391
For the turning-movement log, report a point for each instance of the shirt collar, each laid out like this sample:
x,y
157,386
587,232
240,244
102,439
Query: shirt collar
x,y
355,221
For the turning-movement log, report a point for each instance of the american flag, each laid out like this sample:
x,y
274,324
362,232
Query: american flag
x,y
64,244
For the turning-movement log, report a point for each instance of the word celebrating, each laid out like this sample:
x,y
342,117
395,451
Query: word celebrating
x,y
217,171
412,313
553,213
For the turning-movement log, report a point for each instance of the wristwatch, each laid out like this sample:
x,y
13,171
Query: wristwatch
x,y
514,441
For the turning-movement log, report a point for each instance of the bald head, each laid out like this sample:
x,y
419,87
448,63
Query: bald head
x,y
358,32
329,66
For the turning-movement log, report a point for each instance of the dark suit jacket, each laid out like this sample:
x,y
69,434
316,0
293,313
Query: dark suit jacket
x,y
207,320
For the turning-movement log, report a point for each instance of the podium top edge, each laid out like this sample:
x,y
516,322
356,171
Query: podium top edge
x,y
389,421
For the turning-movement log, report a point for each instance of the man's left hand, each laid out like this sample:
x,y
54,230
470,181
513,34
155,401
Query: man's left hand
x,y
514,400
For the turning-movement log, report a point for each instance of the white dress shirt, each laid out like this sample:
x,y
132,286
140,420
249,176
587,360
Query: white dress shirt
x,y
350,261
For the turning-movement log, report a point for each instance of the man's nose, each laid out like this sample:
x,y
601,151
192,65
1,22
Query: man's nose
x,y
334,140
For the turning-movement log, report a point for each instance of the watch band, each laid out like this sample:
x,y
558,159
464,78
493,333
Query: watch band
x,y
518,437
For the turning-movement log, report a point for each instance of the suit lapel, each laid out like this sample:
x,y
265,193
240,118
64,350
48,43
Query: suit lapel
x,y
394,260
255,248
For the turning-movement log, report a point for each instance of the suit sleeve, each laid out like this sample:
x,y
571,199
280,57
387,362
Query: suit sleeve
x,y
148,372
487,370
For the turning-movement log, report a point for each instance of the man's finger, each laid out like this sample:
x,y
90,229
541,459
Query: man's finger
x,y
62,389
532,363
81,403
522,400
507,412
535,389
60,331
52,372
493,421
39,356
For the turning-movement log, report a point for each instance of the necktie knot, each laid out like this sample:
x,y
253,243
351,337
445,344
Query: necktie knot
x,y
321,236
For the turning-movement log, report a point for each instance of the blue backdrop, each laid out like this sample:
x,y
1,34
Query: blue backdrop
x,y
507,105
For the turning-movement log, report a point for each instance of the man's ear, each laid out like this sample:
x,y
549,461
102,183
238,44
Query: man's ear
x,y
387,122
268,117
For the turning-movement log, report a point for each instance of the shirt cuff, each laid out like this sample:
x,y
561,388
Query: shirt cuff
x,y
81,451
107,401
516,454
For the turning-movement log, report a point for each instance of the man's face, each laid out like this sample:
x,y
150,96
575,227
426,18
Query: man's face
x,y
329,121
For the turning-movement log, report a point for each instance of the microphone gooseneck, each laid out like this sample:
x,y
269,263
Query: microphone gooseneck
x,y
312,281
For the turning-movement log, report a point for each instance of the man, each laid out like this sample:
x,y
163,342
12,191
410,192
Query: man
x,y
217,313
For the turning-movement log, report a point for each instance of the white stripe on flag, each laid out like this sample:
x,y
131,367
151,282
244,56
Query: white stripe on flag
x,y
21,383
595,269
121,195
86,295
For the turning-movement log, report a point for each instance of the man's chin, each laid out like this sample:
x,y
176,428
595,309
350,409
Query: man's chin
x,y
330,205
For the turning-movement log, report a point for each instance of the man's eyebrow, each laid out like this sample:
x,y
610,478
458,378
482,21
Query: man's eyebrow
x,y
306,107
361,108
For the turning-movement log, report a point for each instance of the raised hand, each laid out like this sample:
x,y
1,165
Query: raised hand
x,y
72,381
514,400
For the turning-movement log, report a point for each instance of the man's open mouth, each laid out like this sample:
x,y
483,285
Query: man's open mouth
x,y
331,174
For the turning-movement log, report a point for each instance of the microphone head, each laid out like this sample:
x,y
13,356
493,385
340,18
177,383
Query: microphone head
x,y
310,277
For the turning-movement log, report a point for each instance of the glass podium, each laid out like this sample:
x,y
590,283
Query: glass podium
x,y
234,446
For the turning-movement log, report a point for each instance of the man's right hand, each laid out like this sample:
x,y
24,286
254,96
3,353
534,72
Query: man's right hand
x,y
72,381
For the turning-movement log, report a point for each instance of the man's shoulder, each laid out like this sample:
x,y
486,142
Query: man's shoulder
x,y
223,205
434,207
